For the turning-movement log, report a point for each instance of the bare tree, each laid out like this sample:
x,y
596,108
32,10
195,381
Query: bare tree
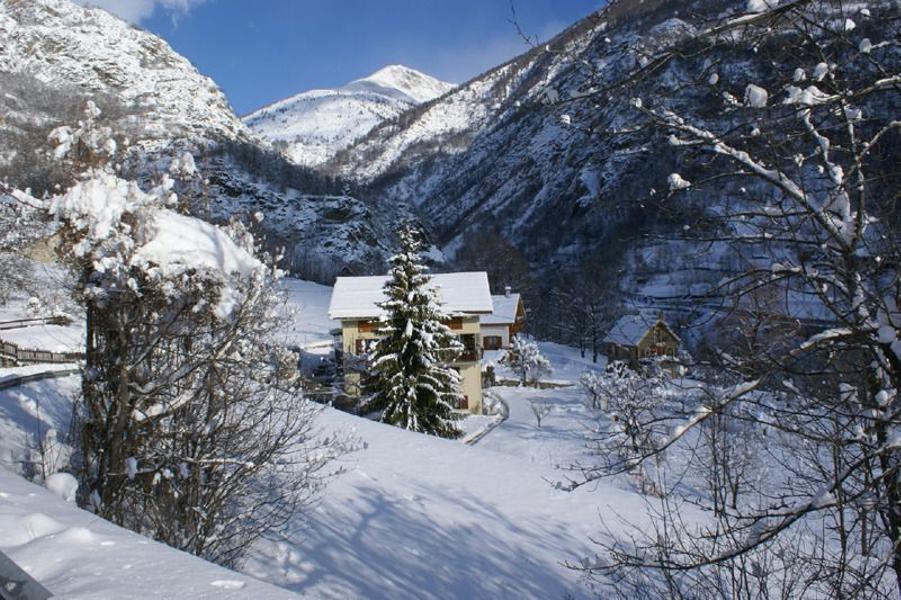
x,y
540,410
587,305
810,155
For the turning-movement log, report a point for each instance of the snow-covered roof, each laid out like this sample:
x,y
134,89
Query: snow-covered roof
x,y
629,330
505,306
357,297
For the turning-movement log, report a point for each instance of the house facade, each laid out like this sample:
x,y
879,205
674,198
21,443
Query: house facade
x,y
643,335
506,321
464,297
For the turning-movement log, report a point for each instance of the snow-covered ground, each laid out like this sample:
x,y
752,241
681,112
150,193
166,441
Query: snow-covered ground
x,y
421,517
561,439
74,554
45,298
29,413
307,306
413,516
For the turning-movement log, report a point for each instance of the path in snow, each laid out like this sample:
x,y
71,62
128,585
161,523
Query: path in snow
x,y
559,441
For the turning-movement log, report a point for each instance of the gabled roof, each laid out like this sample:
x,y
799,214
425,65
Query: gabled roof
x,y
629,330
358,297
505,307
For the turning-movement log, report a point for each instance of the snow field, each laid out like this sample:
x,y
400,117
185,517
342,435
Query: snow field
x,y
421,517
77,555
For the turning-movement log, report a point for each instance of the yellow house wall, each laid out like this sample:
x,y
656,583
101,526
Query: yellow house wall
x,y
470,372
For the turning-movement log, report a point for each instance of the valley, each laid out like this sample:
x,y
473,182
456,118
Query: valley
x,y
618,316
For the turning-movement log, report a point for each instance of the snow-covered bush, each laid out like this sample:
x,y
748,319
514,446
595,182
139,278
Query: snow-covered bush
x,y
190,426
411,381
592,383
632,401
526,360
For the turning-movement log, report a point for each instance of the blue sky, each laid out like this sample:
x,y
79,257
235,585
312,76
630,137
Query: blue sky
x,y
260,51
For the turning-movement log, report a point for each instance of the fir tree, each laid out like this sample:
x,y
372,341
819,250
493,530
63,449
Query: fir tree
x,y
411,381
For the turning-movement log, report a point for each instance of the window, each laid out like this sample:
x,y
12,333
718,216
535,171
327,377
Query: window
x,y
492,342
367,326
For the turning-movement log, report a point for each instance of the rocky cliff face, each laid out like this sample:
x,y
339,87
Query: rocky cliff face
x,y
62,44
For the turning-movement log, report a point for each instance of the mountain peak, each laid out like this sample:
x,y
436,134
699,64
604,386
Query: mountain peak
x,y
399,81
314,125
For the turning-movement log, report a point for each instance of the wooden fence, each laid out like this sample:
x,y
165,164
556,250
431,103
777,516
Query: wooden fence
x,y
11,355
61,320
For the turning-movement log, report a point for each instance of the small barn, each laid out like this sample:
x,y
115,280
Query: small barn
x,y
642,335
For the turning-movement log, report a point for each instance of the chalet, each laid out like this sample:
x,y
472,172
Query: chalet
x,y
465,297
638,336
506,321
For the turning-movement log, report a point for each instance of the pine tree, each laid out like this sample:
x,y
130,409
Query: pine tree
x,y
411,381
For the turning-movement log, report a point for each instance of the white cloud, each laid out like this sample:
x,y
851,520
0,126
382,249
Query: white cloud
x,y
135,11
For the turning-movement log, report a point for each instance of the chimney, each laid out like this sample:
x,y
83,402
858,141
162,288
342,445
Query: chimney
x,y
507,291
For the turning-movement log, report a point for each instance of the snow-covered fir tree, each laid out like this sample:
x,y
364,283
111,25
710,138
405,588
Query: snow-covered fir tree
x,y
411,381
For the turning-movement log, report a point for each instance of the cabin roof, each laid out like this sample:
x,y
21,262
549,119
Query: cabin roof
x,y
629,330
358,297
505,308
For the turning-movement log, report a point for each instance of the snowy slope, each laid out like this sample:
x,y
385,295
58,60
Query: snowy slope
x,y
421,517
64,44
314,125
413,517
76,555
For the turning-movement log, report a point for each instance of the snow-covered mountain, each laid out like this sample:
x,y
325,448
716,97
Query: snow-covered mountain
x,y
62,44
54,55
534,153
312,126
